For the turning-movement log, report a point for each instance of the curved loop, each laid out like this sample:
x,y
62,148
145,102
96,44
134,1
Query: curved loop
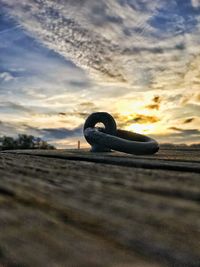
x,y
110,128
103,140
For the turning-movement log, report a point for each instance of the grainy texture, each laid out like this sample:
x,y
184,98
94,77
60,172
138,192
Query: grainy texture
x,y
74,208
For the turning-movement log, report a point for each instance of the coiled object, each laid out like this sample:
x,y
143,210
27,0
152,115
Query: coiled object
x,y
110,138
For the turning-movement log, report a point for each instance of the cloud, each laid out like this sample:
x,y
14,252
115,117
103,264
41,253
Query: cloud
x,y
91,34
187,132
196,3
7,128
125,41
155,103
14,128
6,77
143,119
124,121
60,133
9,30
191,98
188,120
179,137
14,107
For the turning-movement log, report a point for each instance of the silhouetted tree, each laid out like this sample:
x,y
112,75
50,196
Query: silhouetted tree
x,y
8,142
23,141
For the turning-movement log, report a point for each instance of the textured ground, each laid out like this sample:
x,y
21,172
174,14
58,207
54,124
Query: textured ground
x,y
74,208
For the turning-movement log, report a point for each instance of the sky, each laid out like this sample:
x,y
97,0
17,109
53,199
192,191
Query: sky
x,y
61,60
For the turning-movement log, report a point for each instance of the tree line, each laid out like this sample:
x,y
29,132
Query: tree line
x,y
23,141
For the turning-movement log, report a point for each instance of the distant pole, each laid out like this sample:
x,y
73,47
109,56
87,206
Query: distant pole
x,y
79,144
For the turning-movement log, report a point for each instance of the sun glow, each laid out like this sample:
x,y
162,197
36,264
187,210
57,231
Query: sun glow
x,y
141,128
135,116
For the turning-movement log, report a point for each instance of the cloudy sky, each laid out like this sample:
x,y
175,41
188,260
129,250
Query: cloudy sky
x,y
60,60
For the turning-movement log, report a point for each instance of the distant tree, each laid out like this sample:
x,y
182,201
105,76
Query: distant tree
x,y
41,144
23,141
8,142
197,146
37,142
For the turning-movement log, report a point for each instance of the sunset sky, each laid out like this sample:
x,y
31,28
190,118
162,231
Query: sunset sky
x,y
61,60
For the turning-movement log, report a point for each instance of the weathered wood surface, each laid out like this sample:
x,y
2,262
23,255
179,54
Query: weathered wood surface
x,y
75,208
178,160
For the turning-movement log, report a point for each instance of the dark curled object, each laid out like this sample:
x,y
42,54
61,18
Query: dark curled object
x,y
111,138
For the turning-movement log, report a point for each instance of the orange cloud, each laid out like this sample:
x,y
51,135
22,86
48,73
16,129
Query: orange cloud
x,y
188,120
143,119
124,121
156,103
